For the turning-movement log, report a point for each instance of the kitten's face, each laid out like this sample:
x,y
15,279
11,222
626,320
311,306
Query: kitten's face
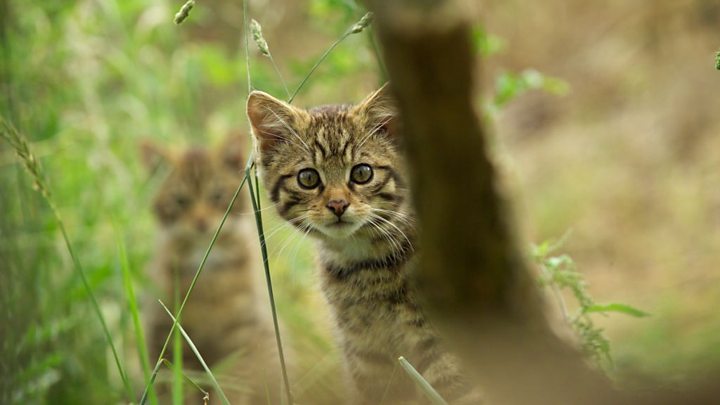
x,y
199,186
334,170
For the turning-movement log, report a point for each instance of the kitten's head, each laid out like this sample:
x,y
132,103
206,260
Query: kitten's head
x,y
198,186
334,170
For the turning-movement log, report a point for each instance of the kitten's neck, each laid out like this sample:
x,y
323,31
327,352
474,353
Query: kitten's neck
x,y
347,250
359,248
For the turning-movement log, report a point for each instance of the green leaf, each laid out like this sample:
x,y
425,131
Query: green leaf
x,y
615,307
560,262
486,44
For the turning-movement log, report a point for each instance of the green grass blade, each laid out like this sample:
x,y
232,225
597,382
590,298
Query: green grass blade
x,y
422,383
247,46
206,395
177,371
153,377
268,280
616,307
20,145
134,313
356,28
198,356
195,278
319,61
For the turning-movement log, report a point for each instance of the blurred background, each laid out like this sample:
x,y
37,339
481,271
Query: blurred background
x,y
602,118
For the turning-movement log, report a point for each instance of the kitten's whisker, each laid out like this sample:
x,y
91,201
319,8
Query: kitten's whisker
x,y
252,213
282,138
292,131
385,234
303,227
400,216
396,228
274,231
399,230
373,131
299,242
284,224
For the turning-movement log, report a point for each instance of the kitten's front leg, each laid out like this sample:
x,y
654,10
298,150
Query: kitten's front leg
x,y
376,378
437,366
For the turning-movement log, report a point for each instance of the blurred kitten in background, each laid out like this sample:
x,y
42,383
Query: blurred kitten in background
x,y
226,315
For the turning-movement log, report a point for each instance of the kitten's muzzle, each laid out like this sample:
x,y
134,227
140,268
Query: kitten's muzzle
x,y
337,207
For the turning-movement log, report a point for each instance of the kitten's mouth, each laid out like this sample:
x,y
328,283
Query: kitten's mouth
x,y
339,229
340,223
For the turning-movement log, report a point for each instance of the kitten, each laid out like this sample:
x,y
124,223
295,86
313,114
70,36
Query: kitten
x,y
336,173
226,315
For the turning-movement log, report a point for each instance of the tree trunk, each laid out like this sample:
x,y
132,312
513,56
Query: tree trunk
x,y
477,288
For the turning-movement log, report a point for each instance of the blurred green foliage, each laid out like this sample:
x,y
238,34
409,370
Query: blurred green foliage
x,y
85,81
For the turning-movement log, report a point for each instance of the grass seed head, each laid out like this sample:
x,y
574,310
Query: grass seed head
x,y
256,30
364,22
184,11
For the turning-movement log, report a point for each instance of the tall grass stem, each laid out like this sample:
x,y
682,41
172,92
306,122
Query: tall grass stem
x,y
422,383
268,279
20,145
356,28
134,312
194,349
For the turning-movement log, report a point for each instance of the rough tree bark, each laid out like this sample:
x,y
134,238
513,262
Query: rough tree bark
x,y
478,290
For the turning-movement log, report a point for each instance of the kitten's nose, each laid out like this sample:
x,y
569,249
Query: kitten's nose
x,y
337,206
201,225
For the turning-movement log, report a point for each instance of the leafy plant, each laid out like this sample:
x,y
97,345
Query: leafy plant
x,y
559,272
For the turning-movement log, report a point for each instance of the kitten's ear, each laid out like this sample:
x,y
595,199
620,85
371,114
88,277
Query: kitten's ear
x,y
233,150
153,156
379,112
272,120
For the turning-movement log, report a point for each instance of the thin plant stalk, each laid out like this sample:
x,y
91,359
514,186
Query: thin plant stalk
x,y
319,61
20,145
268,279
177,371
143,399
264,49
277,72
247,46
358,27
378,57
422,383
135,314
153,377
194,349
206,395
255,200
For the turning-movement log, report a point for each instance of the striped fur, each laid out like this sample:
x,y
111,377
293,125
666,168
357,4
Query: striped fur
x,y
367,254
226,315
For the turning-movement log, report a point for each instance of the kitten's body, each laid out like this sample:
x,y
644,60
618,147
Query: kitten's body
x,y
226,314
365,233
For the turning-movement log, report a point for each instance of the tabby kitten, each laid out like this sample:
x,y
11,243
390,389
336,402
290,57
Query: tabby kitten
x,y
226,315
336,173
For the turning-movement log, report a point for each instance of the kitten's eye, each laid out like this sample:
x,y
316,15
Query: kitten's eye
x,y
182,201
308,178
361,173
217,196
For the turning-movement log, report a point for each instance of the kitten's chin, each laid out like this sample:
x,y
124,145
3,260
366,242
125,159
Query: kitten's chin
x,y
339,230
